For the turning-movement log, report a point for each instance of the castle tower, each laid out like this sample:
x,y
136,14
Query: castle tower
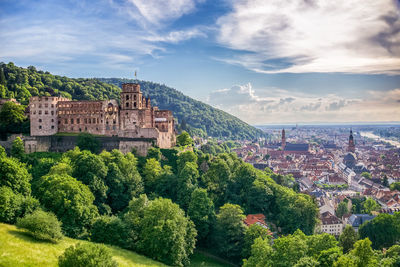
x,y
351,147
131,96
283,139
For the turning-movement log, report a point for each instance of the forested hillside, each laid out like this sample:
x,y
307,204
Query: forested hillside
x,y
194,116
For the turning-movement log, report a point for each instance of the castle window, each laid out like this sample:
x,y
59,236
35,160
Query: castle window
x,y
40,105
72,121
40,112
126,113
85,121
40,120
40,126
46,99
97,120
52,105
134,97
78,121
52,126
114,122
66,121
134,104
127,105
127,97
114,127
80,129
46,105
52,112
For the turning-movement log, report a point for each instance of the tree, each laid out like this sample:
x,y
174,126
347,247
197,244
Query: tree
x,y
166,234
42,225
383,231
90,169
87,255
253,232
342,209
327,257
345,261
230,230
395,186
306,262
370,205
89,142
363,252
70,200
216,180
154,153
18,149
385,181
184,139
12,117
151,173
261,254
348,238
187,156
201,212
15,175
110,230
186,183
14,205
123,179
289,249
318,243
366,175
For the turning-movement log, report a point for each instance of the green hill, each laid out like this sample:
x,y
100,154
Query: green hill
x,y
17,248
192,115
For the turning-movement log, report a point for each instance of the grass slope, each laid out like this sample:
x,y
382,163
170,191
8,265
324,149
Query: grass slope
x,y
17,248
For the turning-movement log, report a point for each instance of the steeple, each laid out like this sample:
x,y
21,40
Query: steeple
x,y
351,147
283,139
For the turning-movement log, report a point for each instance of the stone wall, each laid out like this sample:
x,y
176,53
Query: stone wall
x,y
56,143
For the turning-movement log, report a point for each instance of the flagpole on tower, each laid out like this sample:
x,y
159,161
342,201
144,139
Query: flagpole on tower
x,y
135,75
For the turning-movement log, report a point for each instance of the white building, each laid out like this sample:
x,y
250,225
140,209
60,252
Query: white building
x,y
331,224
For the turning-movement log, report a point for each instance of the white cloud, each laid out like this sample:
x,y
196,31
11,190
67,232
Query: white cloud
x,y
353,36
283,106
157,12
176,36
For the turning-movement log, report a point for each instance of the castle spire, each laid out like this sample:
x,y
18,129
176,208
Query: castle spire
x,y
351,147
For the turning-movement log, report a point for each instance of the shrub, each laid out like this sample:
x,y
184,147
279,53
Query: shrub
x,y
13,205
109,230
42,225
86,255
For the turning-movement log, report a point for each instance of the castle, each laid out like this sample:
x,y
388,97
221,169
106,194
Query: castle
x,y
133,118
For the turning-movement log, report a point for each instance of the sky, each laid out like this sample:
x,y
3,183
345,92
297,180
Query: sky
x,y
264,61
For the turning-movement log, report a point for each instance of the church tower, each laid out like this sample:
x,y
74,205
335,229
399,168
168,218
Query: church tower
x,y
351,147
283,139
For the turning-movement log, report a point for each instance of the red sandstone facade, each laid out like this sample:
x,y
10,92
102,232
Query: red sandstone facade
x,y
134,118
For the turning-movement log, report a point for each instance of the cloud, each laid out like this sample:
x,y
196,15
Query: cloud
x,y
158,12
350,36
176,36
93,35
281,106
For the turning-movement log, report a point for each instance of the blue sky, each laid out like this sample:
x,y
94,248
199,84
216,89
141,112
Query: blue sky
x,y
276,61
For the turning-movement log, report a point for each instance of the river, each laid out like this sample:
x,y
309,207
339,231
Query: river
x,y
377,137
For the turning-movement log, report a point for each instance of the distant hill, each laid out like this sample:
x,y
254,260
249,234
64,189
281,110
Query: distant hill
x,y
192,115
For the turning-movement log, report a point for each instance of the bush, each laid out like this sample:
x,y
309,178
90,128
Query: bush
x,y
109,230
42,225
14,205
86,255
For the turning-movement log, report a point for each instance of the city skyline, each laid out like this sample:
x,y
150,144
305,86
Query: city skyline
x,y
281,62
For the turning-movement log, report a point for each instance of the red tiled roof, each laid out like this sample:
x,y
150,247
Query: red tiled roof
x,y
254,218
